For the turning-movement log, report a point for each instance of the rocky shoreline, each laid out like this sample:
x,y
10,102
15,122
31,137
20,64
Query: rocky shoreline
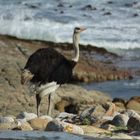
x,y
75,109
95,122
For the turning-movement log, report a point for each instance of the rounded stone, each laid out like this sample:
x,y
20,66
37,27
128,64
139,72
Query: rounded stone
x,y
134,103
57,125
134,123
38,123
27,116
54,126
120,120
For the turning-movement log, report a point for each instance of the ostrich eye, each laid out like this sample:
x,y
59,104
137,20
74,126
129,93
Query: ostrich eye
x,y
77,28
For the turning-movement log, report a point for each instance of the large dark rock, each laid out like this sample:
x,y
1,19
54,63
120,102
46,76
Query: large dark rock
x,y
120,120
134,123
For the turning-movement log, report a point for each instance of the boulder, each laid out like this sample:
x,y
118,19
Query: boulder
x,y
27,116
134,124
134,103
134,121
57,125
38,123
92,115
24,127
119,103
54,125
120,120
97,112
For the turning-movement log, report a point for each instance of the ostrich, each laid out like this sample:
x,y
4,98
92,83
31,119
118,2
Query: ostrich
x,y
46,69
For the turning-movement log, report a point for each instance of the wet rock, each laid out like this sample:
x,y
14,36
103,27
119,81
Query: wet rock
x,y
33,5
6,119
134,124
60,5
110,2
120,120
89,7
128,4
136,5
57,125
134,103
27,116
107,13
38,123
27,18
135,15
61,12
70,6
134,121
103,9
135,2
54,125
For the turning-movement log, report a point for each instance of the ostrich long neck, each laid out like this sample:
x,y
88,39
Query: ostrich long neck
x,y
76,37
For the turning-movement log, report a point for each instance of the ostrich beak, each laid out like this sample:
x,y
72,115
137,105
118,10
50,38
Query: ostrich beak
x,y
26,76
82,29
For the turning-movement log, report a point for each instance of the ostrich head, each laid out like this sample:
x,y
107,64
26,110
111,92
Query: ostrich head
x,y
26,76
79,29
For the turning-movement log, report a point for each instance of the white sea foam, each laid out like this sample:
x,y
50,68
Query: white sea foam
x,y
135,83
38,19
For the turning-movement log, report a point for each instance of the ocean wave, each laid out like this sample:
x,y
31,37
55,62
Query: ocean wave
x,y
41,20
135,84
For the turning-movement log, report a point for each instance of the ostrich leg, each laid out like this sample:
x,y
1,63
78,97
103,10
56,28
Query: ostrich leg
x,y
50,104
38,100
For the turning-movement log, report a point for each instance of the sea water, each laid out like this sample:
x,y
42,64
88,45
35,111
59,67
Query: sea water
x,y
114,25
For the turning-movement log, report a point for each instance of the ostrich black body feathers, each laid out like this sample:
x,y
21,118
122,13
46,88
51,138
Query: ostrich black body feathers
x,y
48,65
